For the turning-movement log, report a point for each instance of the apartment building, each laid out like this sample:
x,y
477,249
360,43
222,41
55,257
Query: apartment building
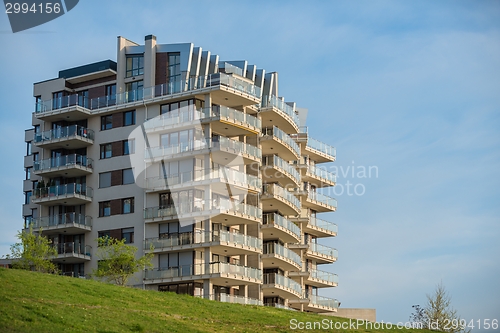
x,y
193,158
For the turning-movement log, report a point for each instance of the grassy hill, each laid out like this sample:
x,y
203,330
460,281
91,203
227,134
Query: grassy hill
x,y
34,302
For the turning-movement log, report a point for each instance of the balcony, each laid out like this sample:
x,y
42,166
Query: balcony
x,y
276,198
227,211
70,108
226,121
315,200
282,286
72,253
219,178
230,122
68,223
320,228
321,253
276,226
275,141
224,151
316,150
276,169
64,166
278,256
317,176
314,303
235,299
275,111
223,242
69,194
316,278
218,272
69,137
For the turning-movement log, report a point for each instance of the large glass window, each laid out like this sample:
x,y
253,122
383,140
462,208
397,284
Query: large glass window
x,y
104,179
128,147
111,94
27,197
129,118
134,91
174,72
106,122
128,176
28,173
104,208
57,100
135,65
28,148
127,206
128,235
106,151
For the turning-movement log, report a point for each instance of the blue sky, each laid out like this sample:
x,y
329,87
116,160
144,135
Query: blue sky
x,y
411,88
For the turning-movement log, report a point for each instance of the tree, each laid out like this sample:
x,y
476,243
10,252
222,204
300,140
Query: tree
x,y
438,314
117,260
34,252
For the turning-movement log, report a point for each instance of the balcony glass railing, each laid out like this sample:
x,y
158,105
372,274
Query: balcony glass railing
x,y
280,163
237,147
232,114
64,133
173,118
279,191
324,199
327,225
199,236
64,161
203,269
275,248
323,250
282,281
282,136
273,101
322,275
224,174
323,301
63,190
229,68
232,299
190,206
321,147
62,219
194,83
273,218
73,248
322,173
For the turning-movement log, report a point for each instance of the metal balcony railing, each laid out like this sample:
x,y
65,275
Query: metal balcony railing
x,y
63,190
273,218
272,278
62,219
203,269
64,161
273,101
275,248
64,133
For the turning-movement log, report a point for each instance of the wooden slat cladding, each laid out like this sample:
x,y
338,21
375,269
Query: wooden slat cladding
x,y
117,148
115,233
116,177
117,119
116,207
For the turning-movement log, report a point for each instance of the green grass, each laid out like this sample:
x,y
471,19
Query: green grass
x,y
35,302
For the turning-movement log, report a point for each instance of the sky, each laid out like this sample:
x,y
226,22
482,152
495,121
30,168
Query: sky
x,y
409,90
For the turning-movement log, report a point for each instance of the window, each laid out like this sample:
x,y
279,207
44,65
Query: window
x,y
83,98
127,206
27,221
134,91
37,129
111,94
27,197
129,118
36,157
28,148
104,179
28,173
128,147
105,233
57,100
174,67
128,235
35,184
127,176
135,65
106,151
38,104
106,122
104,208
